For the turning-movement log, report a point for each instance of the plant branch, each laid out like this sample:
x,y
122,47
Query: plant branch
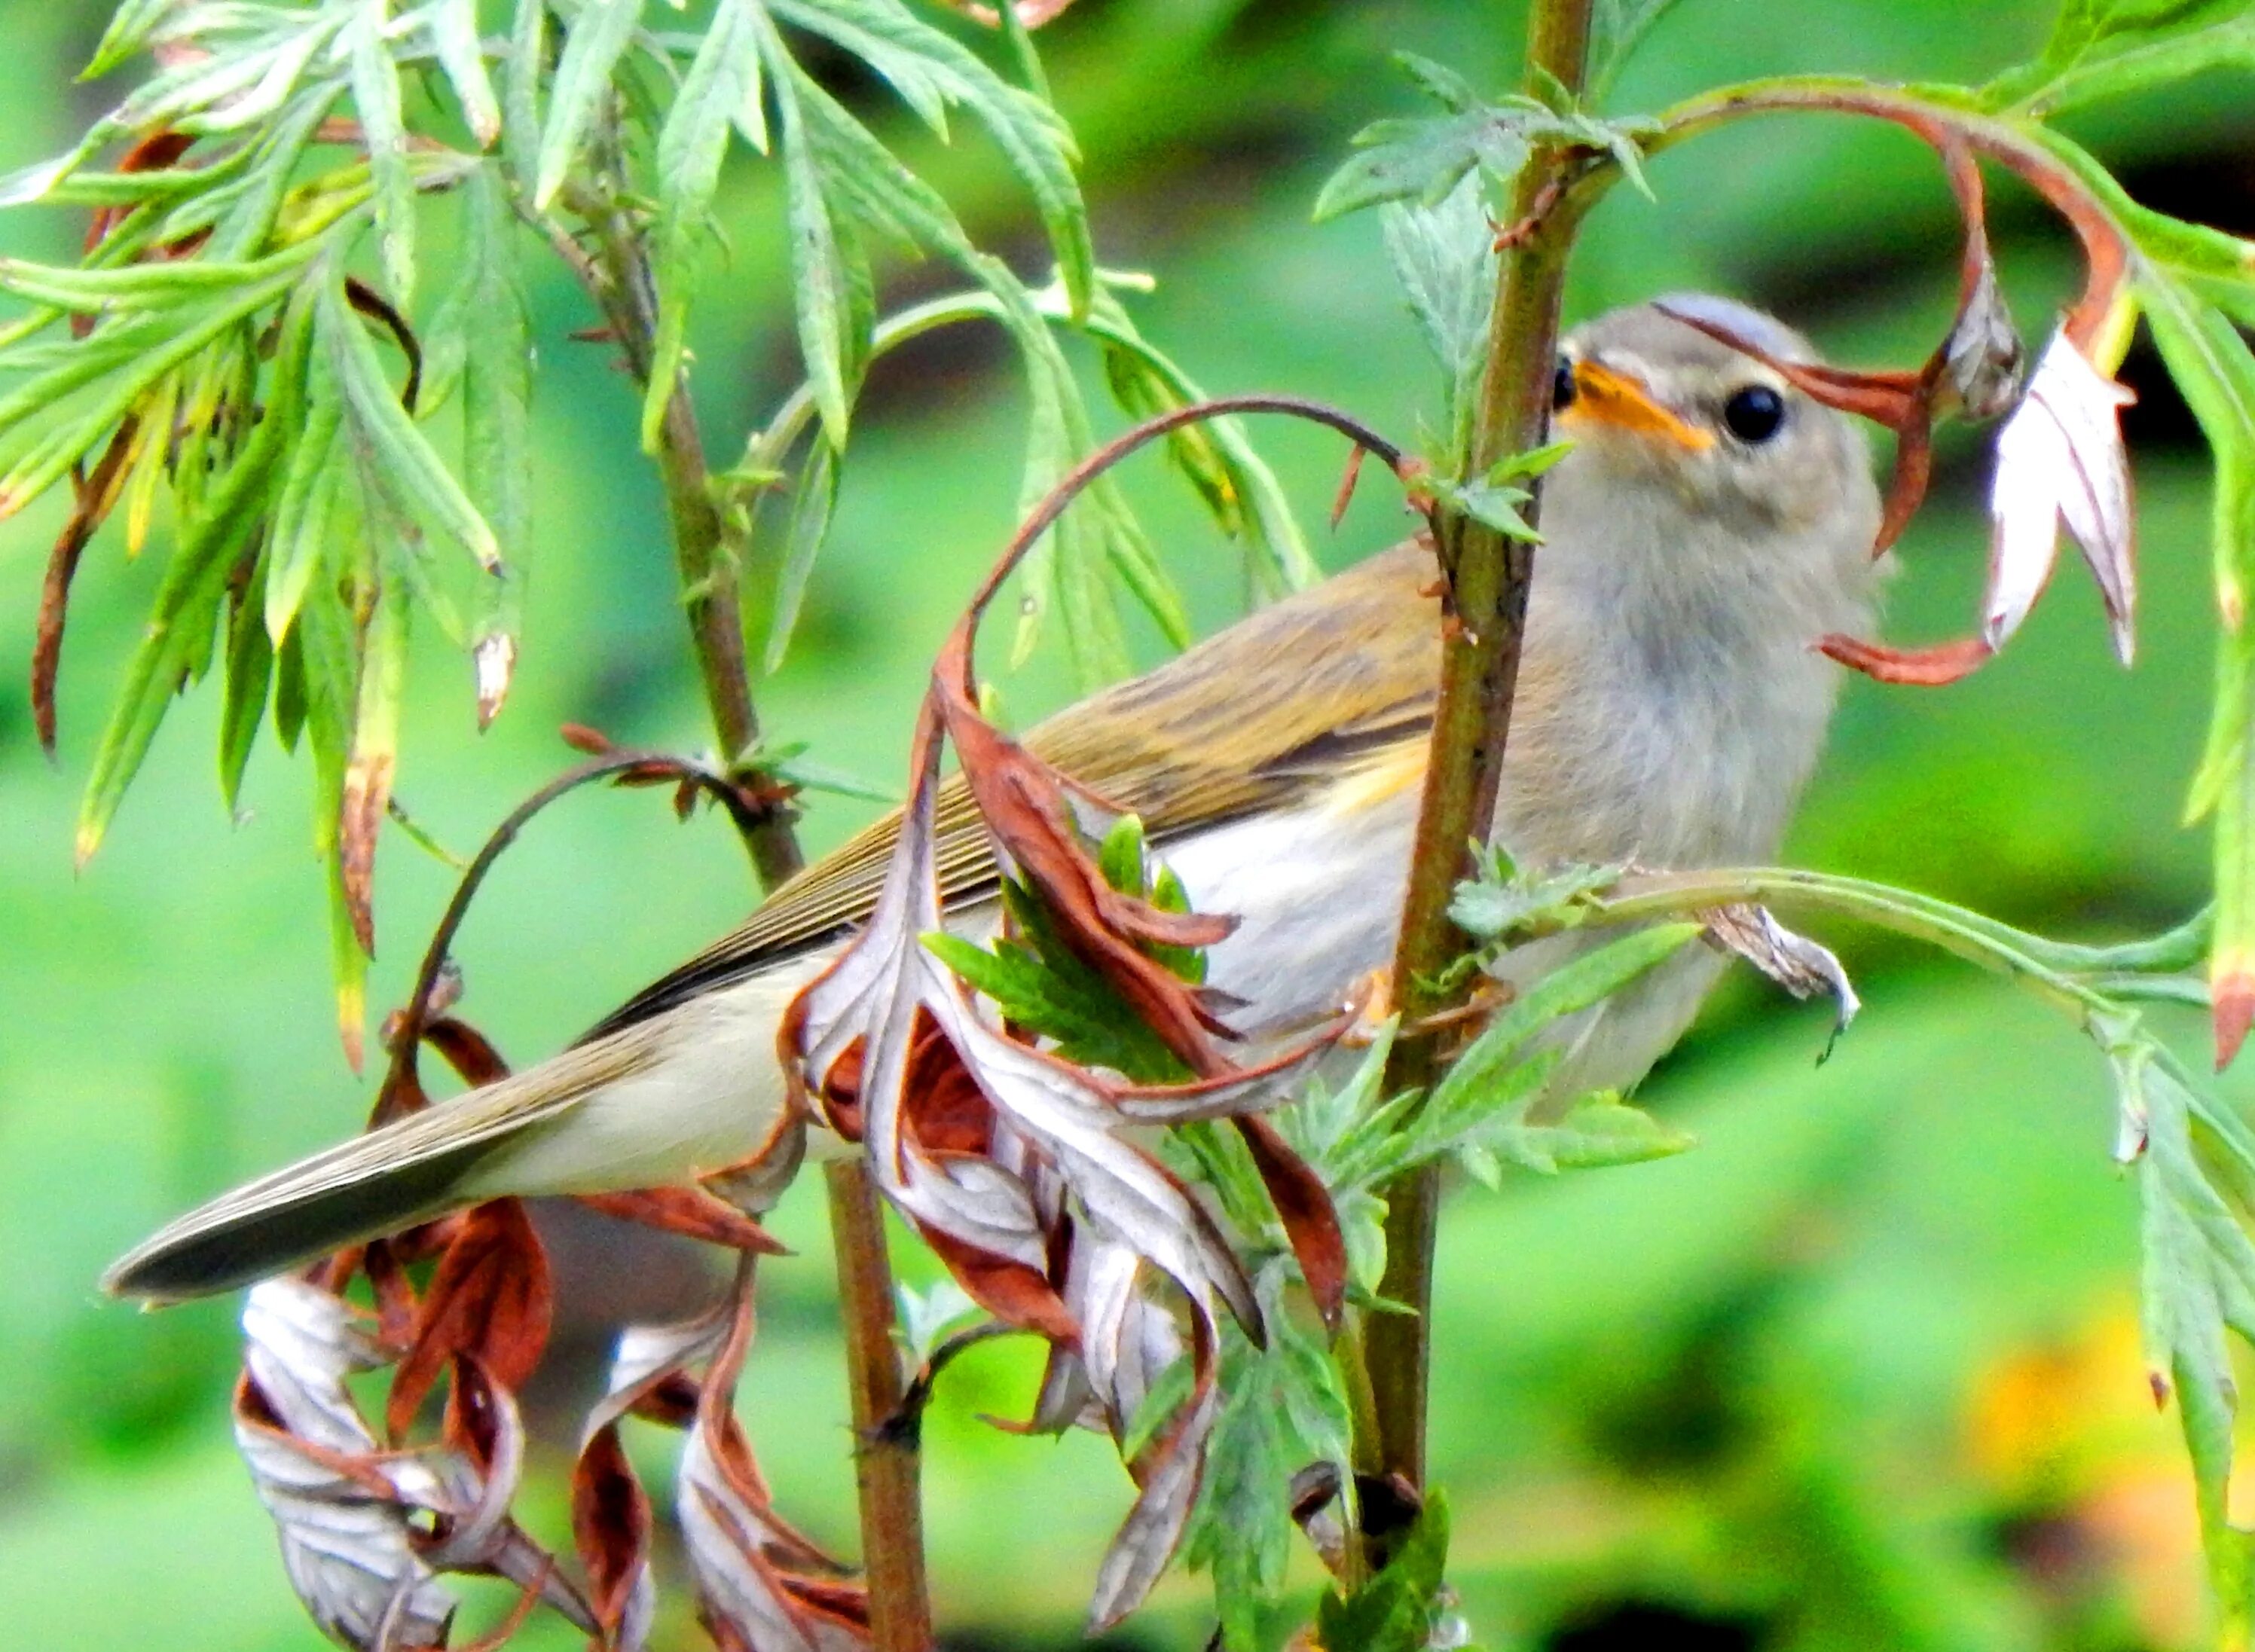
x,y
886,1469
618,276
1486,577
710,598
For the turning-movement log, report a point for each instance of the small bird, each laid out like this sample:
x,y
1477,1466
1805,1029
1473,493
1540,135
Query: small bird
x,y
1710,523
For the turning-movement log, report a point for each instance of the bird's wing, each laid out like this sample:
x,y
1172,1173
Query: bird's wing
x,y
1321,686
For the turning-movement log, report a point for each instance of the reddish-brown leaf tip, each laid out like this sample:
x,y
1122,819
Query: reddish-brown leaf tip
x,y
2231,990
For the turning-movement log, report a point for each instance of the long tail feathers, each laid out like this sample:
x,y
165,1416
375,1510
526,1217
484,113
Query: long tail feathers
x,y
409,1171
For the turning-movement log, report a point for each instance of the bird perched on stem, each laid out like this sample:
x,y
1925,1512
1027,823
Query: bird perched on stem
x,y
1711,523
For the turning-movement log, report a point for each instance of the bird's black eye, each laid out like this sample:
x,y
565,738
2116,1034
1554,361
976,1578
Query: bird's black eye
x,y
1562,386
1754,413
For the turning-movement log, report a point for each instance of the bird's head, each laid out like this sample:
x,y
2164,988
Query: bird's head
x,y
1685,447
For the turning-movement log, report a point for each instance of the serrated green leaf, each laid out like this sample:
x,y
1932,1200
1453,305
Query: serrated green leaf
x,y
497,431
146,286
303,512
1393,1612
820,279
1572,987
249,671
1034,141
392,448
520,91
1442,255
2103,48
132,353
189,598
2199,1283
896,44
722,78
454,38
130,27
811,502
598,38
1599,1131
375,96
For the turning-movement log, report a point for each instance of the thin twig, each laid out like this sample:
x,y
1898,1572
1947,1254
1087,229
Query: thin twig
x,y
618,276
1486,577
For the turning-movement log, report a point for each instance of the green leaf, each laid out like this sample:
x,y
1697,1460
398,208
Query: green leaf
x,y
303,510
181,626
250,671
1444,257
1572,987
598,38
2104,48
146,286
1503,907
811,502
520,91
820,282
1597,1132
390,446
496,427
2199,1282
1038,146
131,26
723,80
1393,1612
1616,29
376,94
454,38
1424,159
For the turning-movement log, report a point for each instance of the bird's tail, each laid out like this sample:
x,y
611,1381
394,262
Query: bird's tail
x,y
412,1170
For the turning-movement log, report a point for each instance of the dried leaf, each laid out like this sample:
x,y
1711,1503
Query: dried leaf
x,y
490,1300
611,1525
1800,965
345,1541
2060,458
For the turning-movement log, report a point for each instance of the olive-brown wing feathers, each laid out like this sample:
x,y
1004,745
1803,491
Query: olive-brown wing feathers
x,y
1270,711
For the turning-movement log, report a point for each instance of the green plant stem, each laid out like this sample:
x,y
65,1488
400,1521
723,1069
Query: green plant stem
x,y
1486,576
618,276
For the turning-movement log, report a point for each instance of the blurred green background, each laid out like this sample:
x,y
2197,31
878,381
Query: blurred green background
x,y
1860,1372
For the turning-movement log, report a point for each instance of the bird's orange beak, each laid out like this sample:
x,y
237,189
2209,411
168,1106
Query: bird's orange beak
x,y
1608,397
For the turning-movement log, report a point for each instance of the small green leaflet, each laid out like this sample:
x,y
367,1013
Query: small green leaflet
x,y
598,38
1617,27
2199,1282
1424,158
2106,48
1395,1611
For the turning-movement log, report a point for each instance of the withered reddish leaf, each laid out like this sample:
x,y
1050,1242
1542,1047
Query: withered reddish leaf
x,y
150,154
1931,667
490,1299
1010,1290
593,742
760,1584
466,1050
2231,991
360,818
691,1212
611,1526
1024,808
395,1294
1304,1207
93,498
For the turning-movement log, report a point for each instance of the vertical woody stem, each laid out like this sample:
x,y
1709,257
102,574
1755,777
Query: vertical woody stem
x,y
1487,576
888,1473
